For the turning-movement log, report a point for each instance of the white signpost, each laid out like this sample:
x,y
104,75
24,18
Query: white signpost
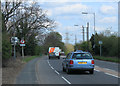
x,y
100,43
22,43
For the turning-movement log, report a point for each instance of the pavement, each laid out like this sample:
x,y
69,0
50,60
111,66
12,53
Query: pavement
x,y
45,71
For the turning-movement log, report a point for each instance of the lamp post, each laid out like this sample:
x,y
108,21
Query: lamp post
x,y
94,25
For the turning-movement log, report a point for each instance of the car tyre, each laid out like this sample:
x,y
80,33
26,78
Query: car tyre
x,y
58,57
68,70
91,71
49,57
63,69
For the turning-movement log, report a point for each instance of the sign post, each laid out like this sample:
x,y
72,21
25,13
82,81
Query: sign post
x,y
22,43
14,40
100,42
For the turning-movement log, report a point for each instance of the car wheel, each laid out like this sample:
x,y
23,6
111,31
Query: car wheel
x,y
67,70
91,71
49,57
58,57
63,69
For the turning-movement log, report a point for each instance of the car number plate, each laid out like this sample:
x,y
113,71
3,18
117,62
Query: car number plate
x,y
82,62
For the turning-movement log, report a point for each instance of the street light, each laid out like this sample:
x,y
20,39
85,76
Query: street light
x,y
94,25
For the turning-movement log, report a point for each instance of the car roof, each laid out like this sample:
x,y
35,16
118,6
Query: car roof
x,y
80,52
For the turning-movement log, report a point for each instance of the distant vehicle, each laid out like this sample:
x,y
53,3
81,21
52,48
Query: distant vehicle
x,y
78,61
62,54
54,52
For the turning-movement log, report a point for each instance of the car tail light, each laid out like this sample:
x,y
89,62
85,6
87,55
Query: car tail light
x,y
92,62
71,61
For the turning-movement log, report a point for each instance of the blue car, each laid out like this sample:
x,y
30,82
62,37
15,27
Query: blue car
x,y
78,61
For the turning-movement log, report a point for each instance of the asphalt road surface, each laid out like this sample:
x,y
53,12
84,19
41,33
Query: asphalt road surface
x,y
45,71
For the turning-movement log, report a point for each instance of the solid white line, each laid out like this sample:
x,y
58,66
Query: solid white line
x,y
112,75
66,80
57,72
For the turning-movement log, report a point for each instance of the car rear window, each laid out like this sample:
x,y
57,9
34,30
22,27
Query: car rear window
x,y
82,56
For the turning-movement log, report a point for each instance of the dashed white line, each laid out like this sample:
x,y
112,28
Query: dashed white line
x,y
57,72
66,80
52,67
112,75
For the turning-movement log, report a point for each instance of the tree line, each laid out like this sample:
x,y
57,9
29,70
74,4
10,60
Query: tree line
x,y
109,47
31,23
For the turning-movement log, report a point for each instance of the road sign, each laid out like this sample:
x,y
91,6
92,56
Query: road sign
x,y
100,42
22,41
22,44
14,40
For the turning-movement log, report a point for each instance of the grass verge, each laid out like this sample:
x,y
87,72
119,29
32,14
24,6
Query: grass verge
x,y
27,59
111,59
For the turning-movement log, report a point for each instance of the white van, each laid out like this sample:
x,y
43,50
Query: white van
x,y
54,52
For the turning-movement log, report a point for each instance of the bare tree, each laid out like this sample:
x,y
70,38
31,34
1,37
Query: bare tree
x,y
27,19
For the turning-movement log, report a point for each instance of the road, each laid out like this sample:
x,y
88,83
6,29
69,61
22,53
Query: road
x,y
45,71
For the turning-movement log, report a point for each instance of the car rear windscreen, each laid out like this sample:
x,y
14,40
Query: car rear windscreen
x,y
82,56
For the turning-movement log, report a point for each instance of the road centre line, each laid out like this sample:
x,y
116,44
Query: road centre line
x,y
58,73
52,67
112,75
66,80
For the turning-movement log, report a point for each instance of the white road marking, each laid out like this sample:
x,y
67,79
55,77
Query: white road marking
x,y
66,80
112,75
57,72
52,67
97,70
49,63
109,69
96,66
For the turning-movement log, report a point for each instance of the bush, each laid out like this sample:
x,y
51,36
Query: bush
x,y
38,50
6,47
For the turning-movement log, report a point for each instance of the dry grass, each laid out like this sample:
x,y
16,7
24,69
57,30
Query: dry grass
x,y
10,72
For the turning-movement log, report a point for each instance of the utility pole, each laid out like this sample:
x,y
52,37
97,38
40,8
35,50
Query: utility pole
x,y
75,42
75,39
88,36
83,34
